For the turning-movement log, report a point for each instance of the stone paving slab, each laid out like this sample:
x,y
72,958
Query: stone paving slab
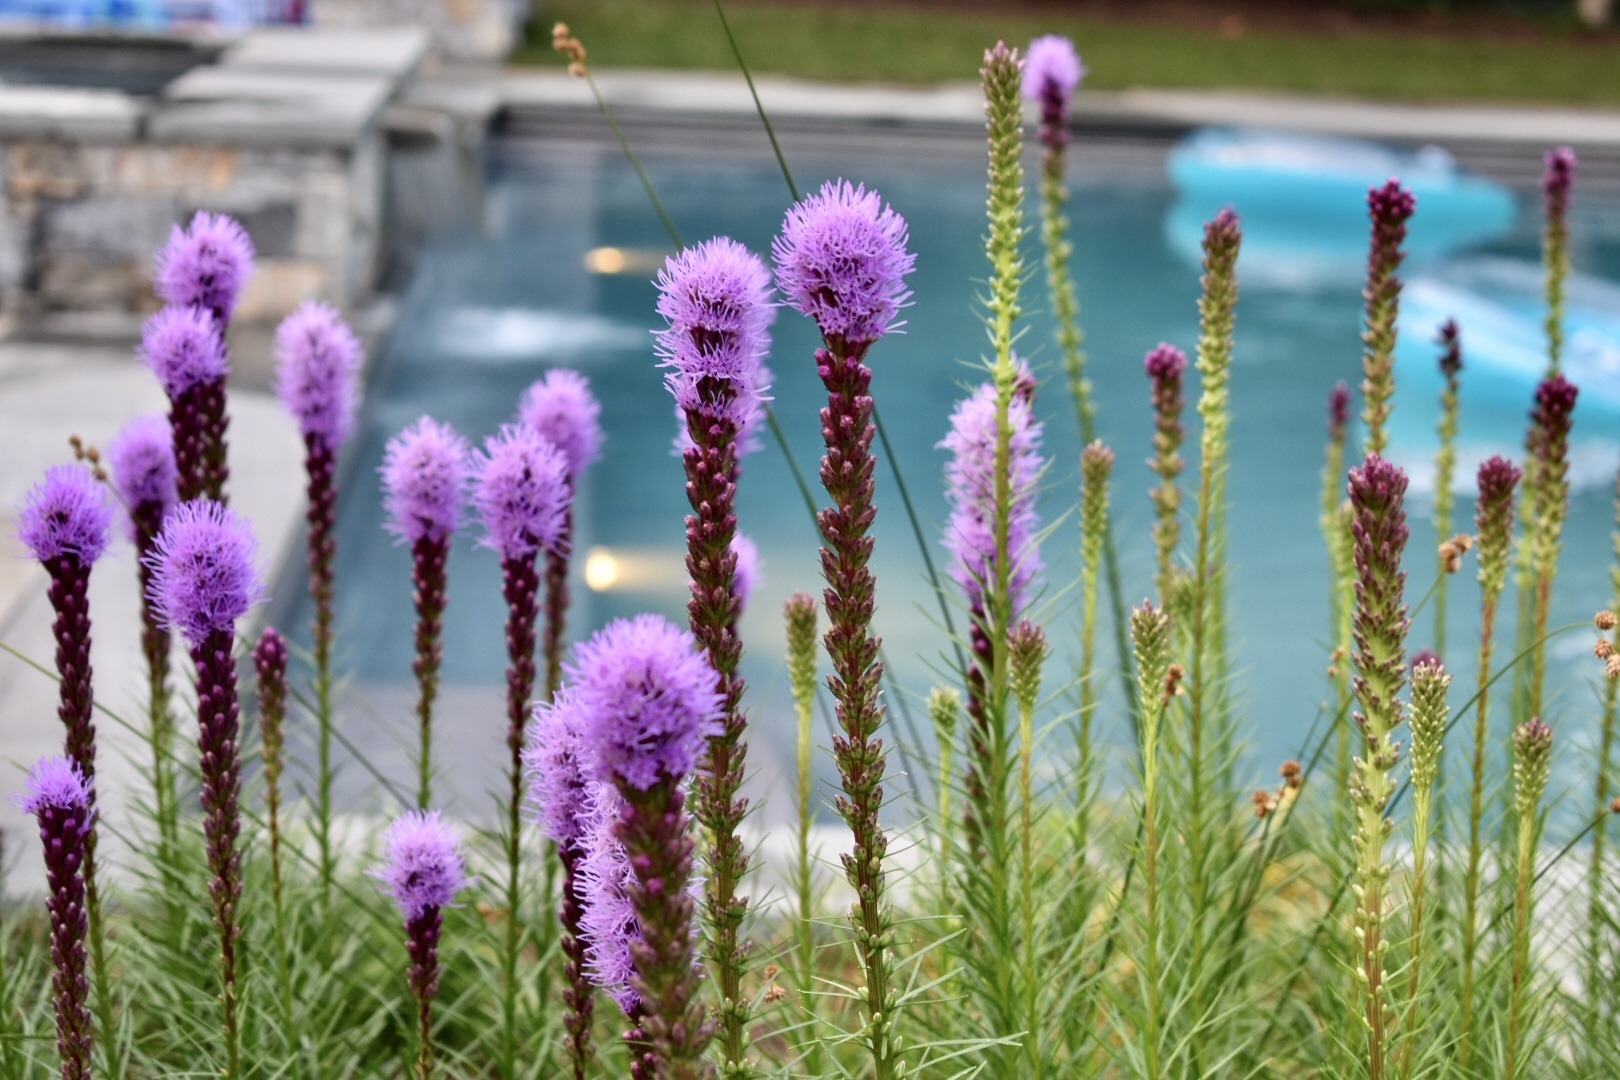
x,y
48,392
252,107
389,52
68,113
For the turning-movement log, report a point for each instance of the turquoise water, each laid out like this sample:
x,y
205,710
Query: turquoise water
x,y
487,313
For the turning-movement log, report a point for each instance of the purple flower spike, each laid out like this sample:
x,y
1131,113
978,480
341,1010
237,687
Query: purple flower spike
x,y
561,408
971,489
558,781
56,784
608,922
520,490
203,574
749,569
841,259
424,479
66,514
141,456
1338,411
648,699
318,362
1450,341
1557,179
182,348
422,866
1052,67
205,264
716,298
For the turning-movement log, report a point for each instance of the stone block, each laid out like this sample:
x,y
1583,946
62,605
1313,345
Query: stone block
x,y
393,52
42,169
249,107
190,171
105,225
78,282
69,113
280,285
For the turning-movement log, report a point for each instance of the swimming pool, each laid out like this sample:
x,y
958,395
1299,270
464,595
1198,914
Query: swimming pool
x,y
558,273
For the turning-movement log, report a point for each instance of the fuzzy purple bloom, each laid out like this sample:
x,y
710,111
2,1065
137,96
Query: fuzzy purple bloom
x,y
1338,411
203,573
55,783
424,479
749,571
318,362
422,866
1052,68
205,264
66,513
559,781
141,457
1164,365
716,298
648,701
1557,179
520,490
608,922
841,259
1553,415
182,347
562,409
1450,341
970,478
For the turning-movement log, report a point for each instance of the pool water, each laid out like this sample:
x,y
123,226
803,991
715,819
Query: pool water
x,y
486,314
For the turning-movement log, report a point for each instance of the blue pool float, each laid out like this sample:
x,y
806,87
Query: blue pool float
x,y
1500,308
1303,200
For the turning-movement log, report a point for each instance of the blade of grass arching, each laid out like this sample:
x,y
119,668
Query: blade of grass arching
x,y
748,76
635,162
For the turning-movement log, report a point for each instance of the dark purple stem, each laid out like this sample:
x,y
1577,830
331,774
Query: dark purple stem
x,y
270,664
321,494
977,773
557,602
430,582
221,769
198,421
422,943
577,992
655,830
643,1063
64,836
520,586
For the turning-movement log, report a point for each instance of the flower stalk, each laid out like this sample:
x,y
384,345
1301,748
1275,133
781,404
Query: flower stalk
x,y
1445,463
1390,206
1532,752
1150,635
1166,366
1430,682
800,615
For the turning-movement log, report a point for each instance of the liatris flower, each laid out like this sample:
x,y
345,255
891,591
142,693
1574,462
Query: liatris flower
x,y
1390,206
424,480
317,365
608,921
841,259
520,491
1150,637
559,793
1548,507
182,347
422,869
141,457
270,665
799,614
205,265
1096,465
203,581
1532,753
561,409
1430,682
716,300
60,799
1166,365
1493,518
1052,73
1556,182
1026,652
1445,459
648,706
1377,491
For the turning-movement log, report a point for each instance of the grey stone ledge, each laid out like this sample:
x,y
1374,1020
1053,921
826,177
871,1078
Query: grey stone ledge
x,y
69,113
251,107
389,52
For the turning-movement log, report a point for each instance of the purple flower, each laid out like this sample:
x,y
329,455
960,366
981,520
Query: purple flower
x,y
1553,415
55,783
558,781
318,363
181,346
1338,411
203,577
1450,341
841,259
205,264
561,408
749,572
66,513
422,865
1426,656
1165,365
141,456
647,699
424,479
746,410
1052,68
1556,180
970,479
608,922
716,298
520,490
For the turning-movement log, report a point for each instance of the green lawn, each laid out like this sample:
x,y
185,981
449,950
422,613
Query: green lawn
x,y
870,43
